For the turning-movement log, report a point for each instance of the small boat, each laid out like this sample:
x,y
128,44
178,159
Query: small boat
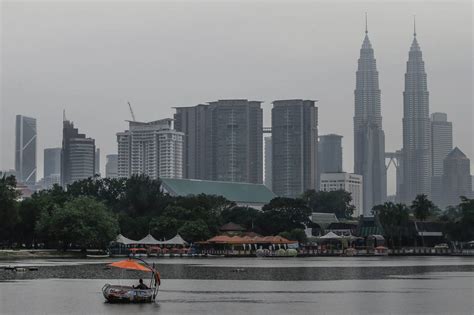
x,y
129,294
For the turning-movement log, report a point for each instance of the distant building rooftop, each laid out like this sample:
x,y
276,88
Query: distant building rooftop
x,y
243,194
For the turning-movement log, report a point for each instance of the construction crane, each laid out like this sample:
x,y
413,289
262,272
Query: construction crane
x,y
131,111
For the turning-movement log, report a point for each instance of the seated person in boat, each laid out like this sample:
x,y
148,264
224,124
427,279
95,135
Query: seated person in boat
x,y
141,285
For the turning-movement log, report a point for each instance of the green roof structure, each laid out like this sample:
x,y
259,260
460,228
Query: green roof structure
x,y
240,193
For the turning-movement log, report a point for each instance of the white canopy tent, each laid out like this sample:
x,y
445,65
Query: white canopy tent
x,y
148,240
123,240
177,240
331,236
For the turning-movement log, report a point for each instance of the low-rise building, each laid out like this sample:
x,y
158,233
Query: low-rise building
x,y
351,183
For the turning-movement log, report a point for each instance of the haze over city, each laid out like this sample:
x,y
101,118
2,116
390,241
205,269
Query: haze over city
x,y
91,58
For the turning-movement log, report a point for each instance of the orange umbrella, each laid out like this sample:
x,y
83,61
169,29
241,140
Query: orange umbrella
x,y
129,264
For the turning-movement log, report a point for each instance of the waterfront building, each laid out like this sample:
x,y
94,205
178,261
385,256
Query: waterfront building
x,y
223,140
369,137
416,128
152,148
243,194
352,183
25,150
294,147
77,155
330,154
111,166
268,162
456,179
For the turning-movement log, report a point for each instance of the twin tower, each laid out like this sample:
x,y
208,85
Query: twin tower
x,y
369,137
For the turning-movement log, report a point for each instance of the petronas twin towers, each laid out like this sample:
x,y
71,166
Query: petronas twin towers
x,y
369,137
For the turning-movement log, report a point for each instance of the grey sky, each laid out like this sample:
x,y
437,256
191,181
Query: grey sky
x,y
90,58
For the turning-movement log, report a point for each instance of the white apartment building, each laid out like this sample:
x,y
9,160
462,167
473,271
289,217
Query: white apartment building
x,y
351,183
150,148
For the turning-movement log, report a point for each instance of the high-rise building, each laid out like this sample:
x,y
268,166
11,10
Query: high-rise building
x,y
52,161
25,150
77,155
456,177
97,162
294,147
441,145
330,154
111,166
152,148
416,128
223,140
369,137
268,162
351,183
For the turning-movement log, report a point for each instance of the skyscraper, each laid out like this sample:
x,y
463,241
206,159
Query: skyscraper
x,y
268,162
97,162
330,154
369,137
152,148
416,127
441,145
223,140
111,166
25,150
52,161
456,178
294,147
77,155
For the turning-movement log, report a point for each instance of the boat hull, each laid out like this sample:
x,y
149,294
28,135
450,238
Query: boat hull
x,y
127,294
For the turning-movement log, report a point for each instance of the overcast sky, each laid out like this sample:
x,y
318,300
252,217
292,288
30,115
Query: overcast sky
x,y
90,58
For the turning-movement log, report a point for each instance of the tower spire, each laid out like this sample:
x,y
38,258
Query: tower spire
x,y
414,25
366,28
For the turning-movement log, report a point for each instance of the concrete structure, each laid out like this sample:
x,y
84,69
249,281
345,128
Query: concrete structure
x,y
456,180
294,147
152,148
330,154
416,128
223,140
111,166
369,137
352,183
441,145
25,150
77,155
268,162
52,162
243,194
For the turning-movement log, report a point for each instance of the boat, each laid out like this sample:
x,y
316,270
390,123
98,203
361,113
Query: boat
x,y
130,294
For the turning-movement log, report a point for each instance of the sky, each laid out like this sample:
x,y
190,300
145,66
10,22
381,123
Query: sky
x,y
91,58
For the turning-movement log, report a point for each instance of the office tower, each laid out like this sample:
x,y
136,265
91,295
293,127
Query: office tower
x,y
330,154
25,150
441,145
97,162
52,161
152,148
351,183
111,166
223,140
369,137
294,147
77,155
268,162
416,128
456,178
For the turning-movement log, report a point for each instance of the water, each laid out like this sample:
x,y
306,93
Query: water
x,y
398,286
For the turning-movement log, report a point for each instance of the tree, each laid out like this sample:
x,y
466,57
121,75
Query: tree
x,y
243,216
193,231
298,235
8,208
422,209
337,201
394,220
83,221
284,214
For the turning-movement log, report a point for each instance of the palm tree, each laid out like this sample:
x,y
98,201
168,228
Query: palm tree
x,y
386,216
422,208
401,214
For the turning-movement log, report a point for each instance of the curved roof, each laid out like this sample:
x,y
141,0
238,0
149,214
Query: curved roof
x,y
148,240
123,240
177,240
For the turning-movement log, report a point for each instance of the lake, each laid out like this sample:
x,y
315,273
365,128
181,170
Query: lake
x,y
323,285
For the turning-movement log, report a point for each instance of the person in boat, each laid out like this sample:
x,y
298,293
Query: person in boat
x,y
141,285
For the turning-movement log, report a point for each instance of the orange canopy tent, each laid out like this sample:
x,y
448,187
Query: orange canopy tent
x,y
130,264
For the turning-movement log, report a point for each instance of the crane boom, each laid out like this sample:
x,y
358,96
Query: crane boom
x,y
131,111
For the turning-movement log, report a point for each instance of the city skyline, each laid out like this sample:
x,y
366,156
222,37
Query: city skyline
x,y
391,56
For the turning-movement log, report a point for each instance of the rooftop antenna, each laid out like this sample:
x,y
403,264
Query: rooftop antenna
x,y
64,115
366,28
414,25
131,111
